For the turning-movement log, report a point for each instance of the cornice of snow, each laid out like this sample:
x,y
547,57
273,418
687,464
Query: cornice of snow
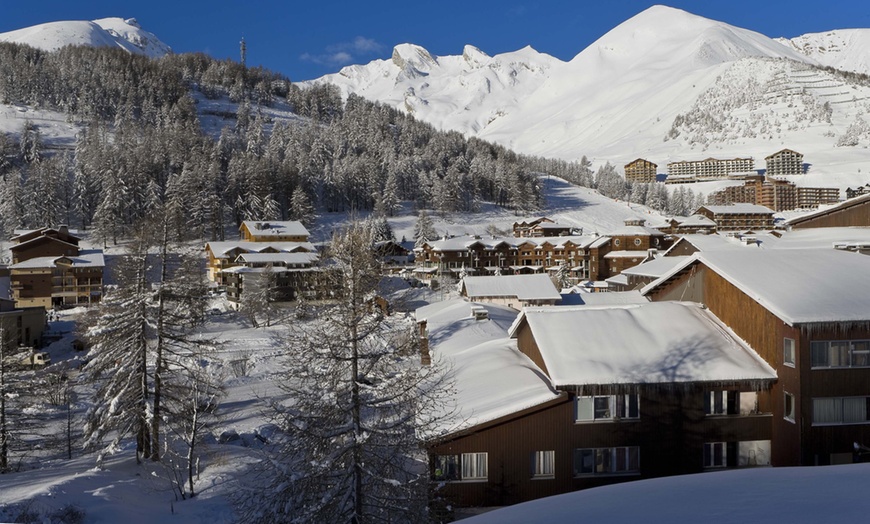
x,y
105,32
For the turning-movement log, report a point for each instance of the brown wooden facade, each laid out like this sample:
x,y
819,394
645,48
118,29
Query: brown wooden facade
x,y
640,171
669,434
851,213
794,440
737,218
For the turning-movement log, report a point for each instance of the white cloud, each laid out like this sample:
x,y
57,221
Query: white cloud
x,y
344,53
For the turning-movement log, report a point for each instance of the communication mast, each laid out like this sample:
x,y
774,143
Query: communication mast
x,y
243,50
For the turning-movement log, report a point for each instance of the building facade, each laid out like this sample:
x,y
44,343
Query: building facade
x,y
640,171
784,162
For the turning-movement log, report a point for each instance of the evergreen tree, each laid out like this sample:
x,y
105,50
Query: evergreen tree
x,y
357,399
301,208
424,229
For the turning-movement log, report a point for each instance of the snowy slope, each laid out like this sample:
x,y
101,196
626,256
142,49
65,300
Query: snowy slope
x,y
106,32
664,85
451,92
844,49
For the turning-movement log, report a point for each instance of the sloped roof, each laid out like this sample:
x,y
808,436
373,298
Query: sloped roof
x,y
85,258
654,343
490,378
797,285
222,249
279,258
275,228
656,267
852,202
739,209
524,287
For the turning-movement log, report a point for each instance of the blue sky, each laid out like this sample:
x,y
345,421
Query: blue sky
x,y
306,39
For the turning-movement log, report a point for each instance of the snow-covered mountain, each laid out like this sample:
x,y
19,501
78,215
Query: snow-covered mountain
x,y
665,85
106,32
463,92
844,49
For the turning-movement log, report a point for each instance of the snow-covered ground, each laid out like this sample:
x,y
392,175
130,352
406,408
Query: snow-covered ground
x,y
757,496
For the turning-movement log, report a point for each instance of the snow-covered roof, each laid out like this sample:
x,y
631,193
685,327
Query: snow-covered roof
x,y
489,242
524,287
615,298
619,279
695,221
635,231
222,249
626,254
654,343
271,228
858,200
655,267
739,209
797,285
85,258
490,377
278,258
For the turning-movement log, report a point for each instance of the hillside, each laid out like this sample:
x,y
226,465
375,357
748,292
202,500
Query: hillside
x,y
664,85
106,32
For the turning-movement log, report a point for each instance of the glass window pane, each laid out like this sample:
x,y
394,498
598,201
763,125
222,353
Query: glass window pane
x,y
603,460
819,354
585,408
854,410
634,458
602,407
633,410
827,410
861,353
839,353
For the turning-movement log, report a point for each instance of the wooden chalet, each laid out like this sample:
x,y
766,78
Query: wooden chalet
x,y
288,275
513,291
49,270
807,314
738,217
854,212
592,396
224,255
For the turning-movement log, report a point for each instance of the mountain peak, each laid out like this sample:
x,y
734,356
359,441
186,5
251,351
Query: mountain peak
x,y
106,32
410,56
474,56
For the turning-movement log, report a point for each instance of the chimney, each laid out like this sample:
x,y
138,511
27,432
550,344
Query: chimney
x,y
63,230
425,357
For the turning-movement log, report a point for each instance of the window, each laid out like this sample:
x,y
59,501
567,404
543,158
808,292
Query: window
x,y
637,241
616,242
840,353
467,466
721,402
715,455
788,351
473,466
606,461
543,464
841,410
609,407
788,407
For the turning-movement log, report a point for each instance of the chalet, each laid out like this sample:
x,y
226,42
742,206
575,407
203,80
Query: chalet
x,y
807,314
523,227
21,326
738,217
479,255
642,274
49,270
687,225
590,396
43,242
852,212
784,162
626,247
286,274
513,291
858,191
59,281
224,255
640,171
260,231
392,253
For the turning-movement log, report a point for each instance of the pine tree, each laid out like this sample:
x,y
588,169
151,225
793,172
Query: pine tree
x,y
357,399
424,229
301,208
